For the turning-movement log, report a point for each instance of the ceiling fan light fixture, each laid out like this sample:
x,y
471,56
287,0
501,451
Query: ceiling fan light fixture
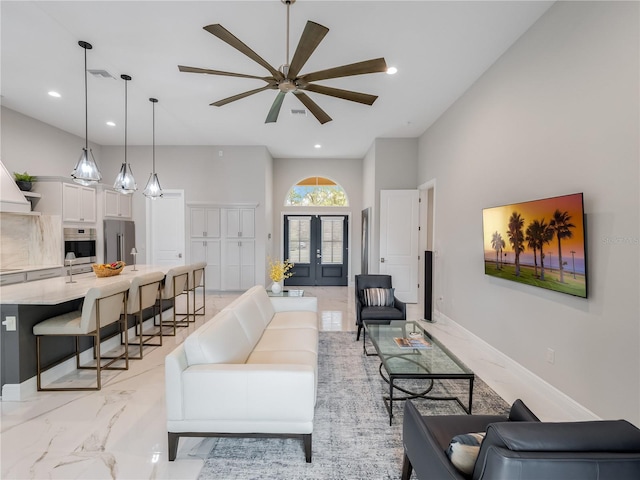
x,y
86,171
287,85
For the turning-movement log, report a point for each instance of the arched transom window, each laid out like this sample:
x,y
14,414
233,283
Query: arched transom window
x,y
316,192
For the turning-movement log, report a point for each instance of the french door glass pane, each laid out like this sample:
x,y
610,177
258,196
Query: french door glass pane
x,y
332,235
300,239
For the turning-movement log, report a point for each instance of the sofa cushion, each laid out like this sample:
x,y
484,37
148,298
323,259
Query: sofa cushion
x,y
378,297
381,313
221,340
263,303
249,316
463,451
294,320
288,339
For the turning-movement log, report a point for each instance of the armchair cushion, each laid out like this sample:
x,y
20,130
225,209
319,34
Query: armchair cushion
x,y
463,451
378,297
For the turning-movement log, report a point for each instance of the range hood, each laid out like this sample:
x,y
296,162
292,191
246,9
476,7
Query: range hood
x,y
11,198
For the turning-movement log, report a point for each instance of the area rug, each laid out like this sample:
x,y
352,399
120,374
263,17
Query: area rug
x,y
352,438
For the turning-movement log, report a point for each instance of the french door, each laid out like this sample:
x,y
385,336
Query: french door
x,y
317,245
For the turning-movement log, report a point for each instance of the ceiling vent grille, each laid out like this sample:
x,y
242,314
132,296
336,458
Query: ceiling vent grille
x,y
298,111
101,73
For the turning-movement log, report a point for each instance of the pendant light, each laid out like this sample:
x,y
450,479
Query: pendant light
x,y
153,189
125,183
86,170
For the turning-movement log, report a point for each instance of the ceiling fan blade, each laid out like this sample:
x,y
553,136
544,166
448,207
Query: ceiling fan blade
x,y
184,69
344,94
311,37
368,66
227,37
224,101
313,107
272,117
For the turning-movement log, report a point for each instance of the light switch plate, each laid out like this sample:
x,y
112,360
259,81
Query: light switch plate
x,y
10,323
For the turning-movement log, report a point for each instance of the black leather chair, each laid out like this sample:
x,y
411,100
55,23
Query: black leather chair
x,y
378,314
518,446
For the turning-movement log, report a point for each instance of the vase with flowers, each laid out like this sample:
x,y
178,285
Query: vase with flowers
x,y
278,271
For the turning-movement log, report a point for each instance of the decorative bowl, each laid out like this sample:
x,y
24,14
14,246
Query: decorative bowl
x,y
108,269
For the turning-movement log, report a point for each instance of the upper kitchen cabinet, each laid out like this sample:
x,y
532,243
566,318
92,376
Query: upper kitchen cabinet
x,y
116,204
74,203
240,222
205,222
78,203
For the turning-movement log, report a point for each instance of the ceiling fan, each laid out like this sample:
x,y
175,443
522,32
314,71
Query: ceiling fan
x,y
287,78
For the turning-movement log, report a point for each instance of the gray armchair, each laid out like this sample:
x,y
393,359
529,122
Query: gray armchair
x,y
378,314
519,446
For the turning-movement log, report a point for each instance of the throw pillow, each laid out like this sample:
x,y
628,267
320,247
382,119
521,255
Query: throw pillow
x,y
377,297
463,451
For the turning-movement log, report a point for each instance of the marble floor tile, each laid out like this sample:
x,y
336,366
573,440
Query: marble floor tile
x,y
120,431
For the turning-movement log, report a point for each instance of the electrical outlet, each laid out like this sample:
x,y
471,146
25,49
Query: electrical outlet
x,y
551,355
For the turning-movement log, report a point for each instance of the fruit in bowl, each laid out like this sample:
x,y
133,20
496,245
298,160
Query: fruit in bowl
x,y
108,269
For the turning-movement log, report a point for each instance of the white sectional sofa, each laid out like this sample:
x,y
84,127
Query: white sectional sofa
x,y
249,371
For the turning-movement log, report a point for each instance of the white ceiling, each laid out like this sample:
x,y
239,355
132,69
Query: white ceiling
x,y
439,48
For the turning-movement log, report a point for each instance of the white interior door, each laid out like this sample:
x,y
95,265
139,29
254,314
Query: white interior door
x,y
166,228
399,241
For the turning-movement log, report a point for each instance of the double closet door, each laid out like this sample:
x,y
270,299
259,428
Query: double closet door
x,y
224,237
317,245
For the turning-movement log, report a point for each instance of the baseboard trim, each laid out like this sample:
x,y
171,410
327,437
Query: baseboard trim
x,y
488,363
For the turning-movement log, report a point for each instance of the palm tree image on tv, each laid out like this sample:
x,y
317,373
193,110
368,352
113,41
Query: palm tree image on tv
x,y
531,237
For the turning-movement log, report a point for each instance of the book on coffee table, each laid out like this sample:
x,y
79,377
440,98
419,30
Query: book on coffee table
x,y
413,342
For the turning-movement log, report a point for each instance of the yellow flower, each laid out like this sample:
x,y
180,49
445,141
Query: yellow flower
x,y
278,270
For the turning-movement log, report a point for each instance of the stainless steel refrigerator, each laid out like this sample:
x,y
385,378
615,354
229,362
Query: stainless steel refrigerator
x,y
119,239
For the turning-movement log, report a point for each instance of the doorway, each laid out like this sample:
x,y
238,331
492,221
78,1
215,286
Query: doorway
x,y
317,245
166,229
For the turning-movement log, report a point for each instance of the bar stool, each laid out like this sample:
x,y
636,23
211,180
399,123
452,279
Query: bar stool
x,y
145,292
196,280
102,307
175,285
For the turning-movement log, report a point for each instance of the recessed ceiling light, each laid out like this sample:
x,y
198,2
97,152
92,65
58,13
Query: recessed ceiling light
x,y
317,145
392,71
111,124
54,94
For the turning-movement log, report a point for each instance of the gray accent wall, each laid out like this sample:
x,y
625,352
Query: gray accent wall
x,y
558,113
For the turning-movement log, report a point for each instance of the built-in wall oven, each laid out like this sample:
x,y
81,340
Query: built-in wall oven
x,y
82,242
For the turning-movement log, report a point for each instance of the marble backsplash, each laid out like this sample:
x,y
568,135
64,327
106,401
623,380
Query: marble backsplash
x,y
30,240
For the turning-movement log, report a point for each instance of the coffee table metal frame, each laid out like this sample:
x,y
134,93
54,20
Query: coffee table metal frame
x,y
413,363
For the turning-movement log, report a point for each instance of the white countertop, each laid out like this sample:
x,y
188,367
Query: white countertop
x,y
53,291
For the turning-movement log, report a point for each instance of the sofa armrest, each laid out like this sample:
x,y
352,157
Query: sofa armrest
x,y
175,363
294,304
400,305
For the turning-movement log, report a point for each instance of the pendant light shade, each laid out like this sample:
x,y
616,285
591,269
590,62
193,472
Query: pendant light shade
x,y
153,189
86,170
125,183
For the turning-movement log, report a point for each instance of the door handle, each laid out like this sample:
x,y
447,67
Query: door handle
x,y
382,260
179,255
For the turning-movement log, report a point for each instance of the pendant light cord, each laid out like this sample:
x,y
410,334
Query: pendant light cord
x,y
125,120
86,104
153,137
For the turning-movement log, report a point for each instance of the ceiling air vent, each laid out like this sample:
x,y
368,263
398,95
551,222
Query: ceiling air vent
x,y
101,73
298,111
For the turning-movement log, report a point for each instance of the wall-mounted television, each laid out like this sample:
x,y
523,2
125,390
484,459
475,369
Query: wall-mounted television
x,y
540,243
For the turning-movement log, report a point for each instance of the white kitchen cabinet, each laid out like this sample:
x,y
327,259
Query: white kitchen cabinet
x,y
11,278
78,203
44,273
208,250
116,204
205,222
239,266
223,236
240,222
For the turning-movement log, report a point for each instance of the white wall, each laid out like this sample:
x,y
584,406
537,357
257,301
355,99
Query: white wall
x,y
396,168
557,114
347,172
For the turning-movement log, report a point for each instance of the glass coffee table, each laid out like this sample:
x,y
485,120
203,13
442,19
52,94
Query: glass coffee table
x,y
407,351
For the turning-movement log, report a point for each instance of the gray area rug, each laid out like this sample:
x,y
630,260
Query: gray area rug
x,y
352,438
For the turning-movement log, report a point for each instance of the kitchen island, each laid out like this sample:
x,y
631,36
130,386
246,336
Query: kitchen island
x,y
23,305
